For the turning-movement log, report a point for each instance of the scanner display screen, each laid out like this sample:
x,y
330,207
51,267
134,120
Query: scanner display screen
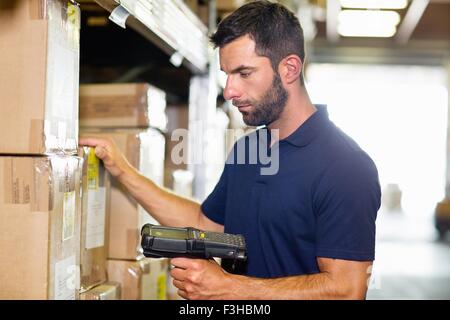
x,y
169,233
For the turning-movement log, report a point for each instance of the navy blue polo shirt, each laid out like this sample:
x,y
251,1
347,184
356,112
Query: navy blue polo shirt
x,y
321,202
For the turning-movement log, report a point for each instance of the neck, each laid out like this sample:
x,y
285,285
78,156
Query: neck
x,y
297,110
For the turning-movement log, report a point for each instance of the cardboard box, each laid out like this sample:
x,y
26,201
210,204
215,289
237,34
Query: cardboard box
x,y
39,42
105,291
229,5
192,4
95,199
141,280
122,105
443,208
144,149
40,213
203,13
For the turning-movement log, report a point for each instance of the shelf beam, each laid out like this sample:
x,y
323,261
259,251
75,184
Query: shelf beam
x,y
147,33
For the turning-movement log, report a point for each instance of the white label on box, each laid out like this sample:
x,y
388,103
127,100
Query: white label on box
x,y
66,279
95,224
63,80
68,228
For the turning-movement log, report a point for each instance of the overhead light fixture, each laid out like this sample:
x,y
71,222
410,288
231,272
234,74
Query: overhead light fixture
x,y
374,4
368,23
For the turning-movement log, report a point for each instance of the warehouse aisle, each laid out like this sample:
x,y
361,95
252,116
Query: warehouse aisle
x,y
410,262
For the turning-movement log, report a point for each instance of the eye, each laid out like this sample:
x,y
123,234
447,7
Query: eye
x,y
245,74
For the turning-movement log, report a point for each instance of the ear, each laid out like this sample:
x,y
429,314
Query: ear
x,y
290,68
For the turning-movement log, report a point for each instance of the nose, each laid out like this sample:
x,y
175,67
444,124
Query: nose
x,y
230,91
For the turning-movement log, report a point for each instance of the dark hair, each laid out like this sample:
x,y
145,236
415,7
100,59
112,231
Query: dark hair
x,y
275,29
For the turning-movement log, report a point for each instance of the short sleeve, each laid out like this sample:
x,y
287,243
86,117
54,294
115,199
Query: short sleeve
x,y
215,204
346,203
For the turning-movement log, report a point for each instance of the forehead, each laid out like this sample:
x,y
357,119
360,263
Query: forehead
x,y
239,52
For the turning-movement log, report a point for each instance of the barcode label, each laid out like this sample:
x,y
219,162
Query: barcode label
x,y
93,170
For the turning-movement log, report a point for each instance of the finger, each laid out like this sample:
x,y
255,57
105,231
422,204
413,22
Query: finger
x,y
179,284
101,152
182,294
184,263
178,274
90,141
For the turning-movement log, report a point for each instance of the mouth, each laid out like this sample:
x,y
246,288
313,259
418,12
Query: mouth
x,y
244,108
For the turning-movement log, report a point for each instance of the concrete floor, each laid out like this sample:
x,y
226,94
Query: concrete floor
x,y
410,262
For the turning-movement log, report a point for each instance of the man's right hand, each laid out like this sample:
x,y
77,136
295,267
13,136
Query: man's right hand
x,y
107,150
166,207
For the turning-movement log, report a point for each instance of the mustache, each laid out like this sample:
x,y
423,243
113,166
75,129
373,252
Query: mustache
x,y
238,103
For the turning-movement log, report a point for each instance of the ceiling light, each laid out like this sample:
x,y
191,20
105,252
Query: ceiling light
x,y
367,23
374,4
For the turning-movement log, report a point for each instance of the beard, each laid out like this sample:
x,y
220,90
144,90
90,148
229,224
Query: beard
x,y
268,108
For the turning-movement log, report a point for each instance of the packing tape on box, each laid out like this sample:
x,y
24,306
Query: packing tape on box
x,y
39,10
133,243
144,265
56,139
41,169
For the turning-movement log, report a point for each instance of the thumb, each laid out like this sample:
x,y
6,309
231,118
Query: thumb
x,y
100,152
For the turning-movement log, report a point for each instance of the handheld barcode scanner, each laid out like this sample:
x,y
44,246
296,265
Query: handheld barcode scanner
x,y
169,242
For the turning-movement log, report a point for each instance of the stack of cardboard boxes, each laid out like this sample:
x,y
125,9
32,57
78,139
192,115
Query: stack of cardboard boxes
x,y
59,239
133,116
40,193
52,200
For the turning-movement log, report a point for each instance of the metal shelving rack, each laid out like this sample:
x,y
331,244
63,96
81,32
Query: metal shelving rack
x,y
169,24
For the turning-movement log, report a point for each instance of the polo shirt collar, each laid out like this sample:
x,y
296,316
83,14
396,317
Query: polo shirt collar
x,y
311,128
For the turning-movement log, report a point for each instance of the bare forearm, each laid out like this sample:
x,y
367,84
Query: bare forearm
x,y
166,207
304,287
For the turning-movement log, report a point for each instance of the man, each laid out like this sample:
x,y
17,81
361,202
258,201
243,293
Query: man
x,y
309,228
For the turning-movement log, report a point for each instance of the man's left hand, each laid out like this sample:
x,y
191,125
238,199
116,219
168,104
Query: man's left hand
x,y
199,279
